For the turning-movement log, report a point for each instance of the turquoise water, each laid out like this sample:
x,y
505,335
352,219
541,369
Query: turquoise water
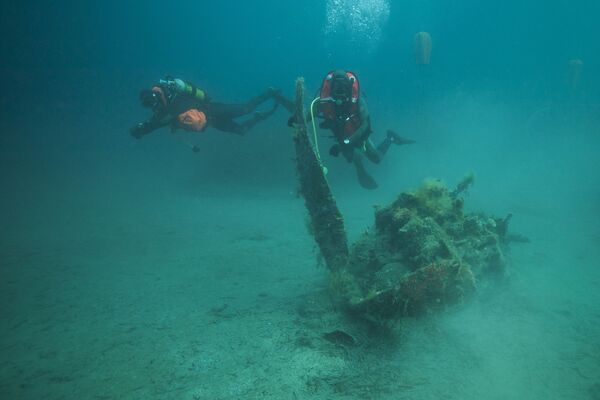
x,y
140,270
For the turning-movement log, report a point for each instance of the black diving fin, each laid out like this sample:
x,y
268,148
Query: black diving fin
x,y
397,139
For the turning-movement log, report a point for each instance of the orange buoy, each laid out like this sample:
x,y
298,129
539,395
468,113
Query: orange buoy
x,y
575,67
422,48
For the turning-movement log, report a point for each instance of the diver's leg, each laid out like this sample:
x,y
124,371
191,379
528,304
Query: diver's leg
x,y
397,139
375,155
257,117
383,147
224,112
228,125
256,101
230,111
365,180
286,103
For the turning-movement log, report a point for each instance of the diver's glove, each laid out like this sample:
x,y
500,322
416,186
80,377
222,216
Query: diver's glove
x,y
139,130
342,145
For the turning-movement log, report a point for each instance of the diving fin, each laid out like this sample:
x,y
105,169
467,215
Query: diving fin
x,y
397,139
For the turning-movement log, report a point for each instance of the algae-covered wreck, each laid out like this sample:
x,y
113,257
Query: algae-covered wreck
x,y
423,254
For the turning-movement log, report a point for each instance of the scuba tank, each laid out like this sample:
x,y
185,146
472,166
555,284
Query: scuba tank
x,y
180,86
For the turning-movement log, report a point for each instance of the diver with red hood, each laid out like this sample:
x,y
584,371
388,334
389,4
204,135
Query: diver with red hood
x,y
182,105
344,112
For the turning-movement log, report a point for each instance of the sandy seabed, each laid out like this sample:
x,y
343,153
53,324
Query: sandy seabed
x,y
222,297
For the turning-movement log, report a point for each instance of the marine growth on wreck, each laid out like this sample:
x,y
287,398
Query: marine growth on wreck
x,y
423,253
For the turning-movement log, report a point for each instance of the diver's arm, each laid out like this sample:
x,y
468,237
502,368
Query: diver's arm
x,y
144,128
364,130
362,133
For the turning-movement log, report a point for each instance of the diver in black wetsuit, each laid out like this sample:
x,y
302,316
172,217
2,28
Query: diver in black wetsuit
x,y
182,105
345,114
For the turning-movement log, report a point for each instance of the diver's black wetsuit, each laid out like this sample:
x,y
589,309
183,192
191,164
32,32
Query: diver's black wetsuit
x,y
221,116
359,140
218,115
167,115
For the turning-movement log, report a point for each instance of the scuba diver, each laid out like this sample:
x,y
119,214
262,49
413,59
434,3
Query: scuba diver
x,y
181,105
345,113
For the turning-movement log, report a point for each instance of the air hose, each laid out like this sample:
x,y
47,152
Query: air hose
x,y
316,138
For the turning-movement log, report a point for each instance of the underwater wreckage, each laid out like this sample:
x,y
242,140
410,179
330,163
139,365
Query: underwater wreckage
x,y
423,254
